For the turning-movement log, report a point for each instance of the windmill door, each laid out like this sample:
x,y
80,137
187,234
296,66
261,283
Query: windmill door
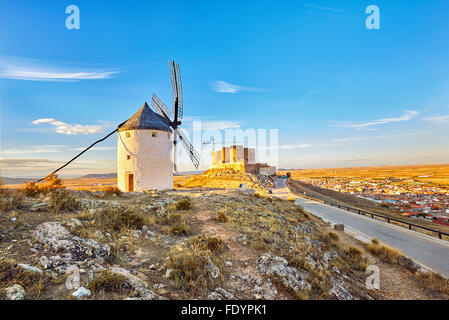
x,y
129,184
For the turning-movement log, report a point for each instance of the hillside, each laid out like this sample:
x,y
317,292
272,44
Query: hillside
x,y
189,244
226,179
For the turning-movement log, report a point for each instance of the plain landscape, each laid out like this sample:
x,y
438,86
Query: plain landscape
x,y
206,239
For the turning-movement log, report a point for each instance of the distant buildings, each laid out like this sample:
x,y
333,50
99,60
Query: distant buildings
x,y
404,196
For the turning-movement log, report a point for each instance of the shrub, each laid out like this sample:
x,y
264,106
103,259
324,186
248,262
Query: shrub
x,y
434,282
52,182
191,269
204,242
14,201
355,258
289,175
222,215
62,200
31,189
106,281
115,219
184,204
384,253
109,191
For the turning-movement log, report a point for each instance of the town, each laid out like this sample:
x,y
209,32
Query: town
x,y
407,197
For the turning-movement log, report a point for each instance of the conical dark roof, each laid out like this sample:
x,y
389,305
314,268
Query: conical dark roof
x,y
146,118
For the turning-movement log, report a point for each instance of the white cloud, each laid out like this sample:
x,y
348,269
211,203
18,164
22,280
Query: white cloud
x,y
226,87
70,129
323,8
33,149
296,146
219,125
439,119
37,70
367,125
96,148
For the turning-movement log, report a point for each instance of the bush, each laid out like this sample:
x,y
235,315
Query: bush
x,y
52,182
355,258
184,204
14,201
109,191
31,189
115,219
191,269
222,215
204,242
384,253
106,281
434,282
62,200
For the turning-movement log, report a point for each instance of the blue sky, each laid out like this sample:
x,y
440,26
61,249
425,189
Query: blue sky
x,y
339,94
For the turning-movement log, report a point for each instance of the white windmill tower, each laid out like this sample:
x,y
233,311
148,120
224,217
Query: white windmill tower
x,y
144,143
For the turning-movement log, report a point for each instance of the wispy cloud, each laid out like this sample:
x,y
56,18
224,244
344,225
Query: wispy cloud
x,y
323,8
33,149
226,87
96,148
70,129
37,70
438,119
219,125
408,115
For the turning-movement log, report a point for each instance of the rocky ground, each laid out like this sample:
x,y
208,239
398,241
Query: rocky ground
x,y
188,244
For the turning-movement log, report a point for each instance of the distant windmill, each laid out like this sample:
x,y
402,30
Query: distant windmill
x,y
177,111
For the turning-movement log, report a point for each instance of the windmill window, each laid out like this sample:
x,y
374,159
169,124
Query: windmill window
x,y
128,157
154,134
128,134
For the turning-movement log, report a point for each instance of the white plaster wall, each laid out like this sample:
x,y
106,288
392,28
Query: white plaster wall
x,y
150,159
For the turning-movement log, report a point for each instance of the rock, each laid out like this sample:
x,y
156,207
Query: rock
x,y
15,292
168,273
29,268
213,269
240,238
277,267
39,207
228,264
71,249
340,290
409,264
142,289
81,292
339,227
220,294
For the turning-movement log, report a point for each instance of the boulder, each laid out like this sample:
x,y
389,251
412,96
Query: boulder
x,y
81,292
277,267
220,294
15,292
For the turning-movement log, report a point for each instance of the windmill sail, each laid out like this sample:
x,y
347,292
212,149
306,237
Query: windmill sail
x,y
176,85
160,107
193,154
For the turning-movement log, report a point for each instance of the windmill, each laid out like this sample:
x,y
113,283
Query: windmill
x,y
174,116
138,171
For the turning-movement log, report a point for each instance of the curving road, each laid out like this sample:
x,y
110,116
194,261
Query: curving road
x,y
428,251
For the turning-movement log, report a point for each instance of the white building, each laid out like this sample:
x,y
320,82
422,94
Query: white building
x,y
144,152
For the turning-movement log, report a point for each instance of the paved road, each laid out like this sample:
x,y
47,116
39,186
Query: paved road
x,y
426,250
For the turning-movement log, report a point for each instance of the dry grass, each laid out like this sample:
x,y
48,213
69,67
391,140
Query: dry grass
x,y
435,282
383,252
11,200
222,215
184,204
35,284
190,264
63,201
107,282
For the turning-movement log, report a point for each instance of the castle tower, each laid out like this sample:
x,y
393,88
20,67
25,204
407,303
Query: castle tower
x,y
144,152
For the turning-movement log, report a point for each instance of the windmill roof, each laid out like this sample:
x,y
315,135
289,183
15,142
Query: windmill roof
x,y
145,118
